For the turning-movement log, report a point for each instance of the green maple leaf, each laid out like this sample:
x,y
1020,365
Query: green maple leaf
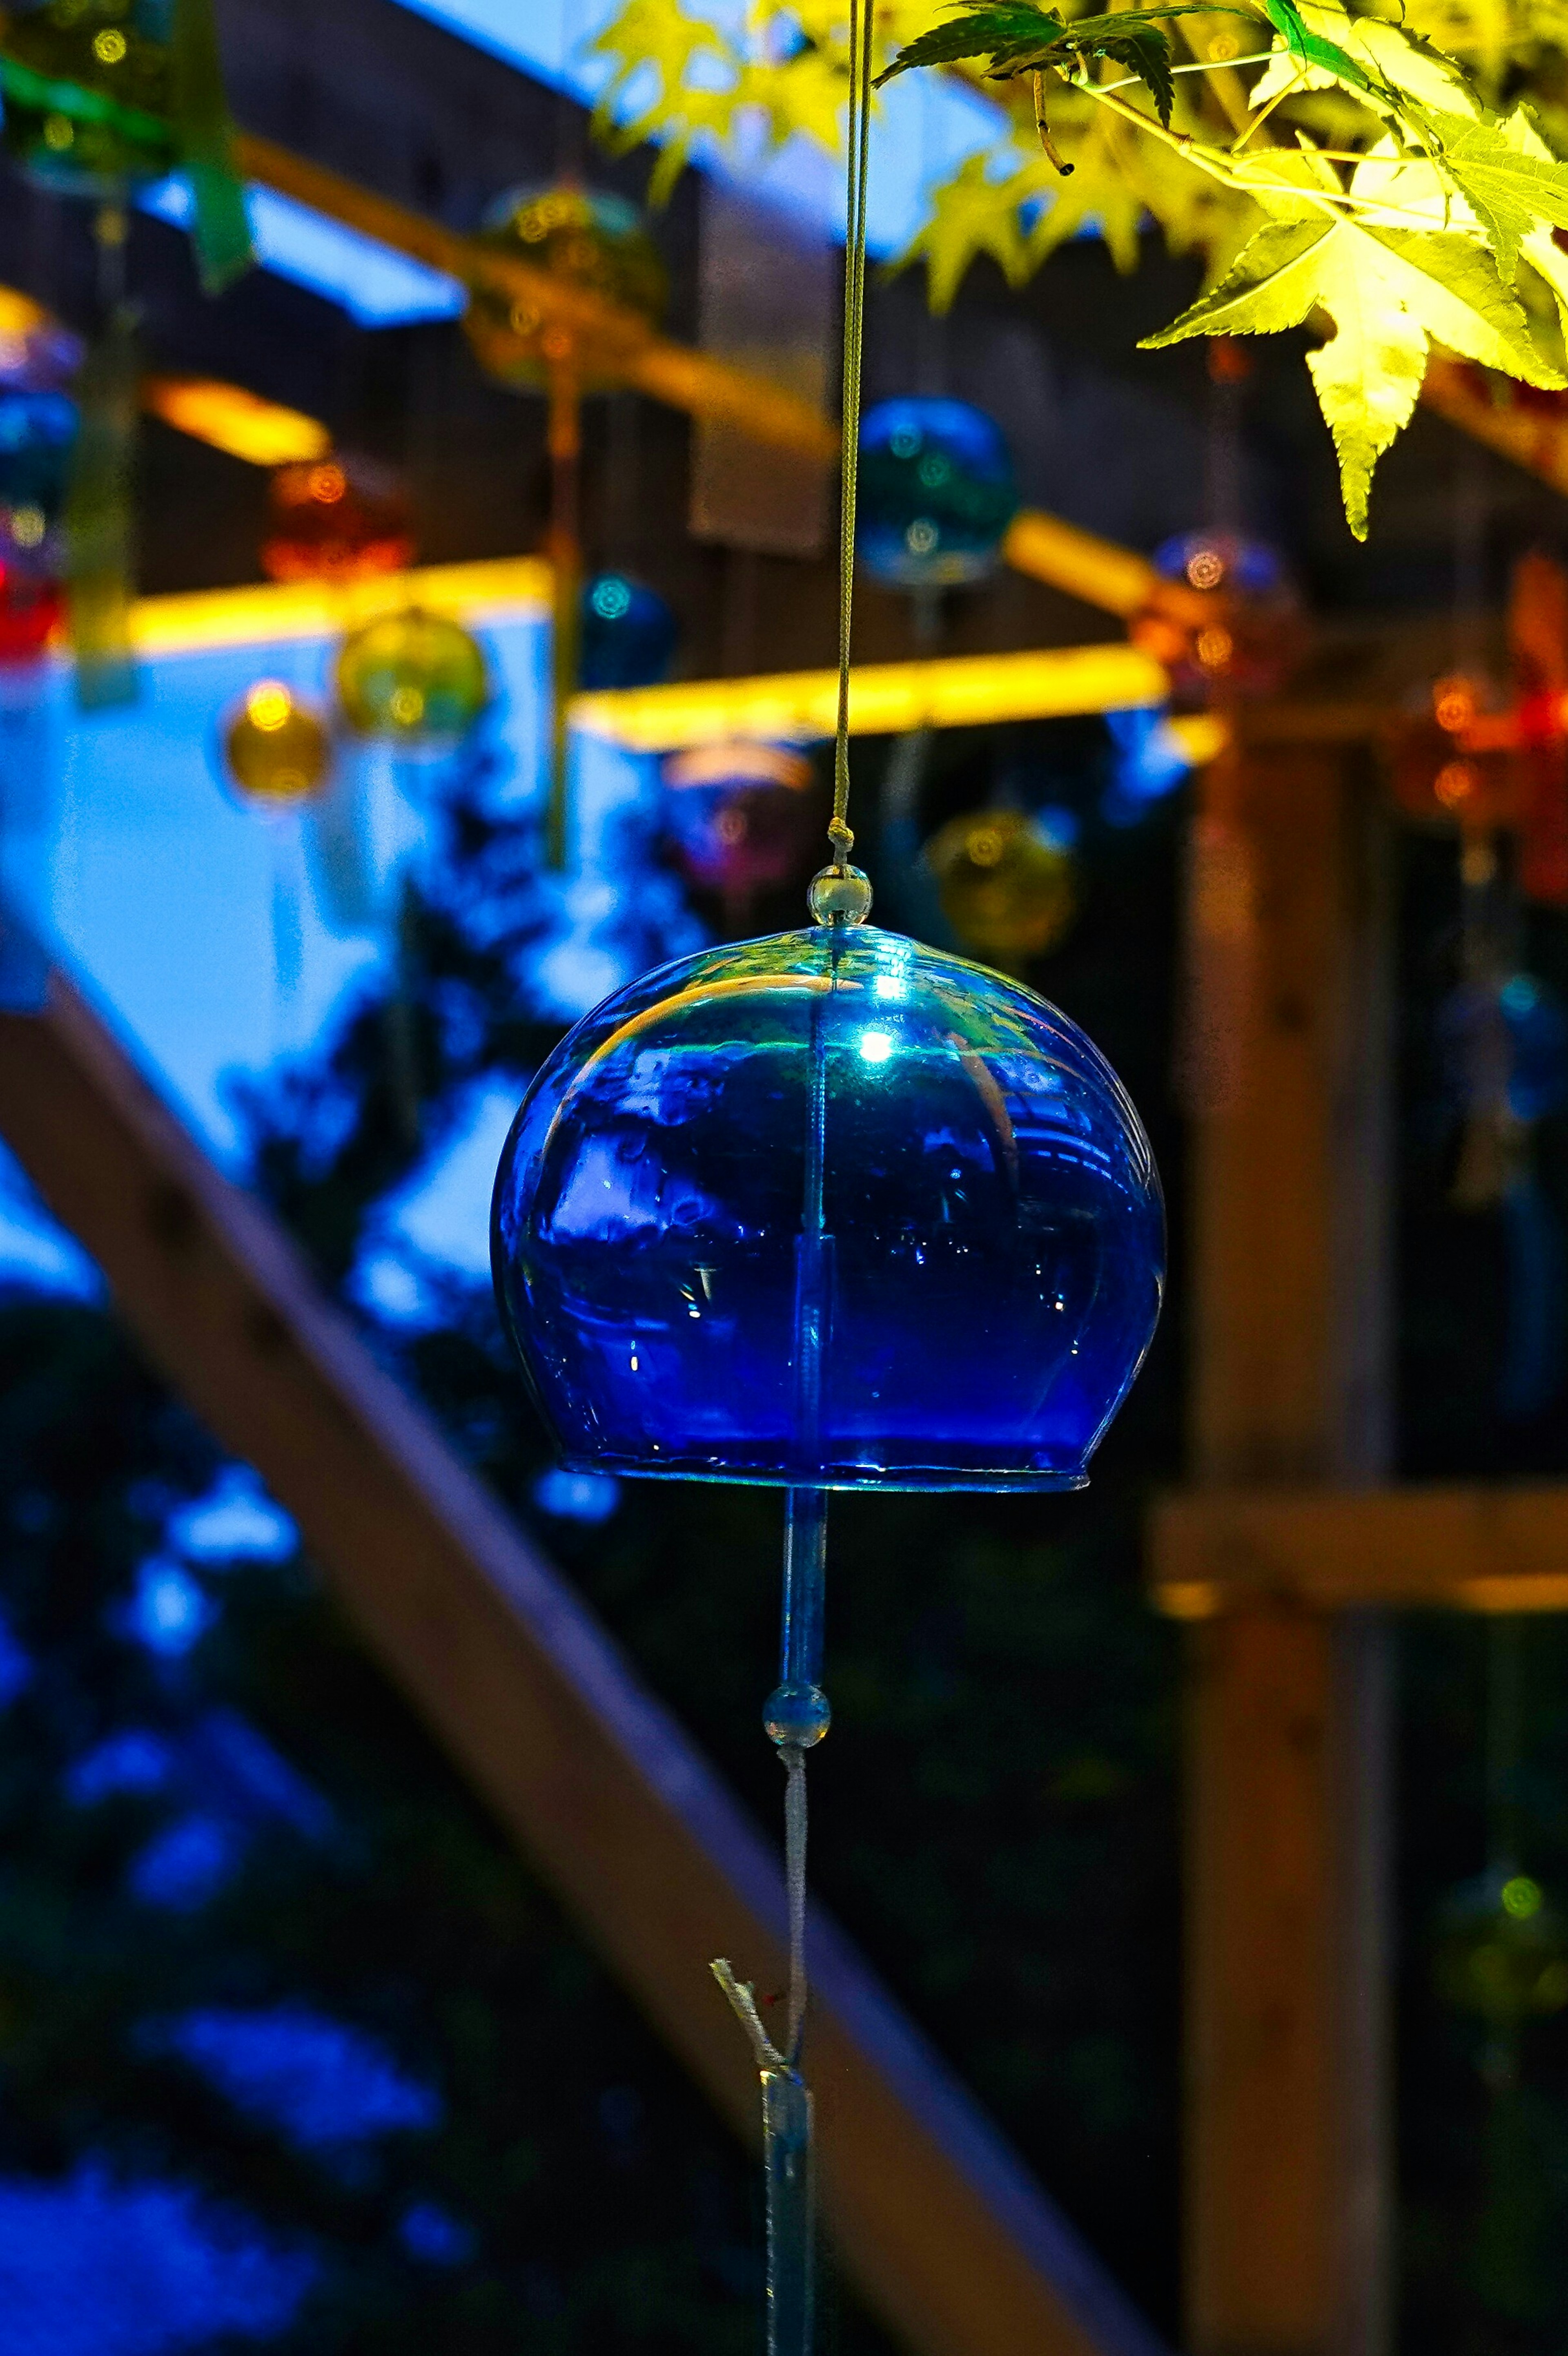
x,y
1512,192
1018,38
1310,49
1390,294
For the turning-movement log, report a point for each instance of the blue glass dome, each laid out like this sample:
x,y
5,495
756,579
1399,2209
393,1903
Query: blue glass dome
x,y
935,494
628,634
986,1273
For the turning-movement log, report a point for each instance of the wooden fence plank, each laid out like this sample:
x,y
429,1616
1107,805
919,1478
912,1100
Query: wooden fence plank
x,y
945,2233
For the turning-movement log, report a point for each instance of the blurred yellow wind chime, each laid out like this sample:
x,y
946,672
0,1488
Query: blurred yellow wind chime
x,y
597,243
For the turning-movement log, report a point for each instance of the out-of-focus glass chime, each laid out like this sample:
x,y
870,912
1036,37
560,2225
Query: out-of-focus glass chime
x,y
102,97
1501,1956
598,245
1008,884
747,1133
1232,630
276,753
1491,763
740,817
38,361
337,520
935,495
627,633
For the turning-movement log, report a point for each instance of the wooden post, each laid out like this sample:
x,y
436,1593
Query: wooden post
x,y
1285,2203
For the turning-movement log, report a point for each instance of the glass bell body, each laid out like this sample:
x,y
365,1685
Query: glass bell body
x,y
740,818
415,680
1257,633
968,1306
593,241
88,96
628,634
340,519
936,494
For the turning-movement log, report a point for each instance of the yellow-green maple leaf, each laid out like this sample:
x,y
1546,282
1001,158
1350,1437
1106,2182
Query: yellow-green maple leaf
x,y
975,212
1515,190
1387,54
1390,294
661,36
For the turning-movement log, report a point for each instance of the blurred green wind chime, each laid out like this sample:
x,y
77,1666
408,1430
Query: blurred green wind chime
x,y
826,1210
103,98
1502,1956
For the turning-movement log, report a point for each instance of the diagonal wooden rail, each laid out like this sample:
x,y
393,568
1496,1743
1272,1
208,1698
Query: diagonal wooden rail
x,y
946,2236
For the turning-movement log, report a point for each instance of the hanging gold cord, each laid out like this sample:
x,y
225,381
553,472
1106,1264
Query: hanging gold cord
x,y
861,24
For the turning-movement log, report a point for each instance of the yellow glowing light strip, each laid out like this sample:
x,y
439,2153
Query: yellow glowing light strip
x,y
885,699
509,588
229,419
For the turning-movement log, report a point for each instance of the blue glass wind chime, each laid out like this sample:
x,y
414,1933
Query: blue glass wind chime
x,y
827,1210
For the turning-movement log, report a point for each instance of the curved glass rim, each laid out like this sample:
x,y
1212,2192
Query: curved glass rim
x,y
623,1468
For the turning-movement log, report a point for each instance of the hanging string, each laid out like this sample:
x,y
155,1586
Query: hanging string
x,y
860,18
796,1716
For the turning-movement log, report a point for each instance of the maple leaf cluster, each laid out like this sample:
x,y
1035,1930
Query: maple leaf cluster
x,y
1396,182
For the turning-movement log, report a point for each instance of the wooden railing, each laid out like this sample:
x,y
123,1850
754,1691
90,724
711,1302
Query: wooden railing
x,y
940,2226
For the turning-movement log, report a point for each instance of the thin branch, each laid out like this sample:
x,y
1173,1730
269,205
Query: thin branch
x,y
1291,89
1210,66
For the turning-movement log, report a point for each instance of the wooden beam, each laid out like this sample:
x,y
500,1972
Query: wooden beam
x,y
1443,1548
619,339
945,2233
1287,2199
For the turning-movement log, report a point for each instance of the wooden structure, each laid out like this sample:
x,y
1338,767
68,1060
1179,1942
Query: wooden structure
x,y
1285,1554
947,2237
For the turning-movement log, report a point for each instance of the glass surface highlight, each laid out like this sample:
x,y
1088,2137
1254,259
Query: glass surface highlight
x,y
988,1273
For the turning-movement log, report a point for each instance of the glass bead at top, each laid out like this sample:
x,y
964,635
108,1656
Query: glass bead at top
x,y
415,680
968,1311
595,243
628,634
935,494
277,750
1007,885
341,519
87,99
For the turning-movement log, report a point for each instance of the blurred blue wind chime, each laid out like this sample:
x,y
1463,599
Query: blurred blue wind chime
x,y
826,1210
